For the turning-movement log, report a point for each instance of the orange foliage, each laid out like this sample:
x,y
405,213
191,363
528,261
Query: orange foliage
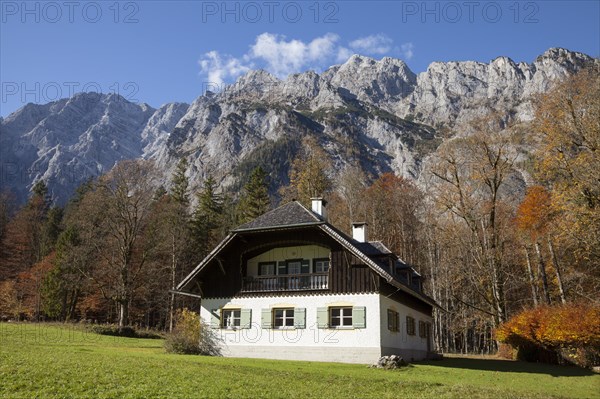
x,y
534,212
573,325
29,284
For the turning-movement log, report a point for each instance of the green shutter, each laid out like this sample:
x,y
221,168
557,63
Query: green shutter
x,y
305,266
322,318
358,317
266,318
299,317
245,318
215,321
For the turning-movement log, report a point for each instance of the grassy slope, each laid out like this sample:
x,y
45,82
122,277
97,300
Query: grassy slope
x,y
46,362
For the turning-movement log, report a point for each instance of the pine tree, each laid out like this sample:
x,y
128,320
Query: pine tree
x,y
179,189
178,229
255,197
207,218
51,229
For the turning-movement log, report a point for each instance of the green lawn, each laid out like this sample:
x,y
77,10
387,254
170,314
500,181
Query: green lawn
x,y
42,361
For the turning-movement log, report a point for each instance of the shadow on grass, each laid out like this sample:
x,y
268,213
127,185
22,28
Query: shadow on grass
x,y
511,366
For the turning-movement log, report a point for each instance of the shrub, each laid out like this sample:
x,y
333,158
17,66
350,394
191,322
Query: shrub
x,y
126,331
192,336
555,334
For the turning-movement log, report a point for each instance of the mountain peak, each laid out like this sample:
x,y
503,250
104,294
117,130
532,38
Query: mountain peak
x,y
560,54
358,105
256,78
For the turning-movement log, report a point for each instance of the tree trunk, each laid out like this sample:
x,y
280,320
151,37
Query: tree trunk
x,y
542,271
534,293
561,289
123,313
173,277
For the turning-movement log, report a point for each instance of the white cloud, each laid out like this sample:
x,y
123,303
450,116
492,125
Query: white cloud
x,y
282,56
220,69
343,54
407,50
373,44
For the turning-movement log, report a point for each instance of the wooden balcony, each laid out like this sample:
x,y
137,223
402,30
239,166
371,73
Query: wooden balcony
x,y
304,282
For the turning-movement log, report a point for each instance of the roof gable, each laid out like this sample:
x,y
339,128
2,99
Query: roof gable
x,y
294,214
291,214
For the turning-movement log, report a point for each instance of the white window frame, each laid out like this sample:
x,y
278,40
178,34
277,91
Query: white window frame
x,y
343,317
286,316
229,320
273,265
319,263
294,263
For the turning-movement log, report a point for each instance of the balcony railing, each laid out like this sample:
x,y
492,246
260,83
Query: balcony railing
x,y
308,282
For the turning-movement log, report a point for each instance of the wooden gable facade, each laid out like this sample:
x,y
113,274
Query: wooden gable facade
x,y
224,273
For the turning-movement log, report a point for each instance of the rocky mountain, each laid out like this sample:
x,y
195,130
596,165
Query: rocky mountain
x,y
374,113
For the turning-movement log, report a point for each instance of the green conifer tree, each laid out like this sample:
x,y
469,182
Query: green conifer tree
x,y
255,197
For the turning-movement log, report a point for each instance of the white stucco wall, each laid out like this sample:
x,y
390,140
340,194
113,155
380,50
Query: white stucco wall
x,y
410,347
360,345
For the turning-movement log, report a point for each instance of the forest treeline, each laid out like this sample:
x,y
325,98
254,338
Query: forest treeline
x,y
487,246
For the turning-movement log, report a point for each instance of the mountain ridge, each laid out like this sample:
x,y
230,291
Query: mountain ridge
x,y
375,113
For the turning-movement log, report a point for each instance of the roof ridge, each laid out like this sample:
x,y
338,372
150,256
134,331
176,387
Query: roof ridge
x,y
288,214
313,214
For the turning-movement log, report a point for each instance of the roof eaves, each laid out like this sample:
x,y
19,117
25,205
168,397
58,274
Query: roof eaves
x,y
389,278
205,261
281,227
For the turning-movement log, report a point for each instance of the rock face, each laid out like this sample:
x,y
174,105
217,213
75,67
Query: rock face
x,y
376,114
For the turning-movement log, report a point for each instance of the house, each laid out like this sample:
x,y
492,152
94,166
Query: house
x,y
289,285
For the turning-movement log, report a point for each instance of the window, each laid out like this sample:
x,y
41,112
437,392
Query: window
x,y
410,325
266,269
422,329
293,267
321,265
393,320
283,318
340,317
231,318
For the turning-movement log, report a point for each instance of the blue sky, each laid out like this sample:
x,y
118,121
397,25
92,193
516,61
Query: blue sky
x,y
165,51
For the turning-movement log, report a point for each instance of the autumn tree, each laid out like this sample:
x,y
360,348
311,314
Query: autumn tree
x,y
568,163
535,218
471,176
7,204
116,213
23,242
347,200
392,209
308,174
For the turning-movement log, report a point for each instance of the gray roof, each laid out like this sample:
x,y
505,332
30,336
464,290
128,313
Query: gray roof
x,y
291,214
373,248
